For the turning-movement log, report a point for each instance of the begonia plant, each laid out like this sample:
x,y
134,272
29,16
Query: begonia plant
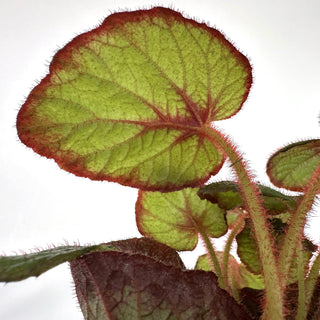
x,y
136,101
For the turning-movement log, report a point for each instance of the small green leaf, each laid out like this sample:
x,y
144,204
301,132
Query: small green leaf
x,y
227,195
249,279
204,263
239,271
115,285
128,101
248,250
16,268
177,218
276,202
292,167
249,254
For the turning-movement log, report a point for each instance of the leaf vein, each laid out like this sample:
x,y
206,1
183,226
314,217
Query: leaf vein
x,y
163,74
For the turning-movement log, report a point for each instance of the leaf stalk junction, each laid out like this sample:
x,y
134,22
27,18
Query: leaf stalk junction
x,y
273,284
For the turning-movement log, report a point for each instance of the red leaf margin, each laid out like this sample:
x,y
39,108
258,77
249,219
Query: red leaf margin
x,y
66,160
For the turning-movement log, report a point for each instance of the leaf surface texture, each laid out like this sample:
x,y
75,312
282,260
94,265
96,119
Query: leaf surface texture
x,y
115,285
126,101
177,218
19,267
292,167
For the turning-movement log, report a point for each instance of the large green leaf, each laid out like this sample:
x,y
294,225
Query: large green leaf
x,y
292,167
227,195
127,101
176,218
121,286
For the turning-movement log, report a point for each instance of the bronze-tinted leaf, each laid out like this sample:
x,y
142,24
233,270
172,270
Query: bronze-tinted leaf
x,y
121,286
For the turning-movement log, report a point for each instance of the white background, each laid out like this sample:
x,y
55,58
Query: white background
x,y
41,204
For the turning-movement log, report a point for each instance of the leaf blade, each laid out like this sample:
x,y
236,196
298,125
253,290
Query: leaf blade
x,y
120,286
131,96
176,218
20,267
244,277
292,167
227,195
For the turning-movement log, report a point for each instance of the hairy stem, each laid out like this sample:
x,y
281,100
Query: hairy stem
x,y
311,281
234,288
250,193
227,248
297,223
301,314
213,258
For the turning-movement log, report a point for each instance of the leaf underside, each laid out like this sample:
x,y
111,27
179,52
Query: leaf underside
x,y
114,285
176,218
150,248
19,267
126,101
227,195
247,248
292,167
